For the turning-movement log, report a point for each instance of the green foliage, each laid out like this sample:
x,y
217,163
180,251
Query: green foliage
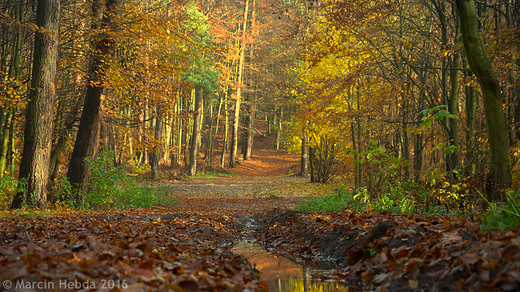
x,y
105,177
9,187
65,194
133,195
436,113
402,197
387,166
329,203
111,188
210,174
503,216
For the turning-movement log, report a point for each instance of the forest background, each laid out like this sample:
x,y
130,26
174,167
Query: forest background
x,y
385,92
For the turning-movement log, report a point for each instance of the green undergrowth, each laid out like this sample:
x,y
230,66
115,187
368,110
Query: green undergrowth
x,y
110,188
210,174
9,186
501,216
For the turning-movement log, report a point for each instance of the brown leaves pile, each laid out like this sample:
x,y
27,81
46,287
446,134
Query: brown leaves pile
x,y
385,252
122,251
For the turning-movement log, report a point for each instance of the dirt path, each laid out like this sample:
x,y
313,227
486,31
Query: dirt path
x,y
256,185
266,162
242,197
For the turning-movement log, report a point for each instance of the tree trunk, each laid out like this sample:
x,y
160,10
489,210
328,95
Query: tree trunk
x,y
194,150
251,109
156,151
279,130
34,166
178,152
87,138
305,156
500,163
250,122
211,141
236,119
453,107
226,131
470,164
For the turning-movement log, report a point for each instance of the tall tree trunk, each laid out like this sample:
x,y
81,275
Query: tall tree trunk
x,y
211,140
250,122
167,138
453,107
194,150
7,114
279,130
156,151
60,144
500,163
354,147
34,166
178,152
470,164
251,109
226,131
5,137
236,119
305,155
87,138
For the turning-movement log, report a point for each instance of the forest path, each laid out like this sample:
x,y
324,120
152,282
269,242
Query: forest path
x,y
243,196
269,180
257,185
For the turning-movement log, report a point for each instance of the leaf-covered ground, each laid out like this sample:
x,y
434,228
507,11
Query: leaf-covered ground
x,y
385,252
187,247
182,247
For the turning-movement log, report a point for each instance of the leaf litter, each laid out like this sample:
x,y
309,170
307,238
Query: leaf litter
x,y
187,247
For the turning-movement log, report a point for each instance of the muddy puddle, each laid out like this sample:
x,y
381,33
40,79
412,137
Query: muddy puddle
x,y
282,274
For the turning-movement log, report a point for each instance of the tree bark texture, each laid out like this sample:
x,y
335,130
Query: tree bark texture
x,y
500,163
87,139
34,166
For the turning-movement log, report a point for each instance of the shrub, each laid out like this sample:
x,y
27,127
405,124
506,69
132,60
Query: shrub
x,y
9,187
503,216
402,197
329,203
324,165
111,188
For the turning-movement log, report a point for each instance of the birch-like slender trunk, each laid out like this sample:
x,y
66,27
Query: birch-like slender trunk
x,y
236,119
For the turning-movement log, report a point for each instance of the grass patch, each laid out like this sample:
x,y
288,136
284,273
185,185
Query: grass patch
x,y
329,203
503,216
210,174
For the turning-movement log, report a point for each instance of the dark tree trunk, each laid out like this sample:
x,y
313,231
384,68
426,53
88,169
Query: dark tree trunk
x,y
156,152
500,163
87,139
34,166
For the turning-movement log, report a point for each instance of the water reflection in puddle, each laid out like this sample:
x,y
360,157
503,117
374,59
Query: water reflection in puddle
x,y
281,274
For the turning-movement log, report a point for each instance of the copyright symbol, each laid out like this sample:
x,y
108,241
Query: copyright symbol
x,y
7,284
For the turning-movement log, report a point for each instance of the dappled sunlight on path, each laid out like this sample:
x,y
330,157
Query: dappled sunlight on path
x,y
267,163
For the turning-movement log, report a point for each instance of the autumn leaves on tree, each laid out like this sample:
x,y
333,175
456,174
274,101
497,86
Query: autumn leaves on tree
x,y
402,81
155,82
389,89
